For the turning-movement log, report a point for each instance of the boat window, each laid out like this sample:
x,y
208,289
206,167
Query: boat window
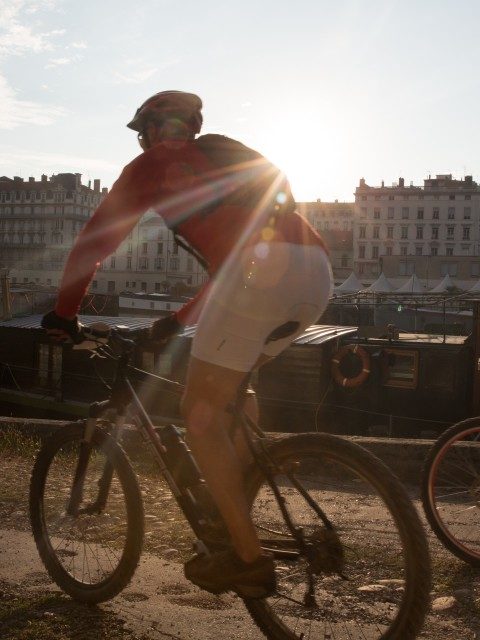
x,y
49,359
400,368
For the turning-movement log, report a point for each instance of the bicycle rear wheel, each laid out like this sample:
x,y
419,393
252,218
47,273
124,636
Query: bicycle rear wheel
x,y
93,555
378,543
451,490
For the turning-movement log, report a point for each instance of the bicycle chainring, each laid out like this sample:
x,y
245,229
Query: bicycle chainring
x,y
325,553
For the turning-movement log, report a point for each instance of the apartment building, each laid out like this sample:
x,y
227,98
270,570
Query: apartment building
x,y
432,229
334,221
39,221
149,261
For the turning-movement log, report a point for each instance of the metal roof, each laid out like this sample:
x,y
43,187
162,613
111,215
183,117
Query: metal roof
x,y
315,334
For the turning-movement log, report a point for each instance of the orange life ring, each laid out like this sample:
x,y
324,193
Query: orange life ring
x,y
339,355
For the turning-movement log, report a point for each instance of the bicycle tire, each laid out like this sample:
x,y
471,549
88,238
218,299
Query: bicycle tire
x,y
275,619
448,513
48,487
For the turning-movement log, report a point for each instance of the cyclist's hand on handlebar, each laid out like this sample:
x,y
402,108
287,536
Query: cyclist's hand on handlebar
x,y
62,329
165,328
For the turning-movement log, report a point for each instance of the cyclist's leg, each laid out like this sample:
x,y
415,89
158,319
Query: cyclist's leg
x,y
210,388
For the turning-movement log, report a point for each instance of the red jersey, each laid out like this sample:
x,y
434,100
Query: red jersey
x,y
214,192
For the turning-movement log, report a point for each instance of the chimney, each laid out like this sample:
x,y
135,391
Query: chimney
x,y
31,179
17,179
401,182
96,186
44,178
78,180
383,183
104,191
362,182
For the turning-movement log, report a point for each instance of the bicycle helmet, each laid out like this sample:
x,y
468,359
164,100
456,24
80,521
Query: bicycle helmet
x,y
178,104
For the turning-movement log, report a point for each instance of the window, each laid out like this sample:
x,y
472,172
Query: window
x,y
406,268
129,247
389,251
49,365
362,231
401,368
129,262
190,264
158,288
452,196
405,212
112,262
403,250
363,212
449,251
448,268
364,197
159,263
390,233
174,264
361,251
475,269
451,213
374,251
418,250
376,214
144,247
404,233
361,268
468,197
143,263
391,213
376,232
377,197
450,233
434,251
419,233
94,284
434,233
143,286
111,286
420,213
391,197
466,233
467,213
159,248
344,260
436,213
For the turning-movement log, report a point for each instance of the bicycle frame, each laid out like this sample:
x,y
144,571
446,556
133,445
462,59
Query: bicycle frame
x,y
124,395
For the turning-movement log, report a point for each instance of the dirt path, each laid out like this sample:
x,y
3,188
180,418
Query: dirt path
x,y
160,603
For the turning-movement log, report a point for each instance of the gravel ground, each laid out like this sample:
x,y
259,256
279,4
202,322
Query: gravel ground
x,y
33,608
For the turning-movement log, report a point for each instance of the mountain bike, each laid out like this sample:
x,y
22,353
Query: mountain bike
x,y
451,489
351,556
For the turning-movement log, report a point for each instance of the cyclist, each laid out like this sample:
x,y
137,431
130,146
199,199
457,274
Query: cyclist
x,y
269,279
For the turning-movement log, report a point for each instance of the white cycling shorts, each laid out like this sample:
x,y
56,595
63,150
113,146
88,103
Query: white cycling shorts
x,y
259,303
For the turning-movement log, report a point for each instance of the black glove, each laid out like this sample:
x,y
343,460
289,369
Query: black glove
x,y
55,325
165,328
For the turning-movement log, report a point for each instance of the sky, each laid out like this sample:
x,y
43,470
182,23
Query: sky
x,y
329,91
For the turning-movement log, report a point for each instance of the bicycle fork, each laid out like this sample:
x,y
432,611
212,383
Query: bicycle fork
x,y
105,481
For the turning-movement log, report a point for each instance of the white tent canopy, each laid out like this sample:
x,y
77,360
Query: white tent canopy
x,y
476,287
381,285
444,285
413,285
351,285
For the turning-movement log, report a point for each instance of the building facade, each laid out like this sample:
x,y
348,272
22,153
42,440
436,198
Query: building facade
x,y
149,261
414,229
334,221
39,221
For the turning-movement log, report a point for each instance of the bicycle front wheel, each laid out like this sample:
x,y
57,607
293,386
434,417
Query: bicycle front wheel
x,y
92,555
451,490
367,577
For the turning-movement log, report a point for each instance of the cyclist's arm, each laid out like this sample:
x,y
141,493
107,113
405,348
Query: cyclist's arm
x,y
131,196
